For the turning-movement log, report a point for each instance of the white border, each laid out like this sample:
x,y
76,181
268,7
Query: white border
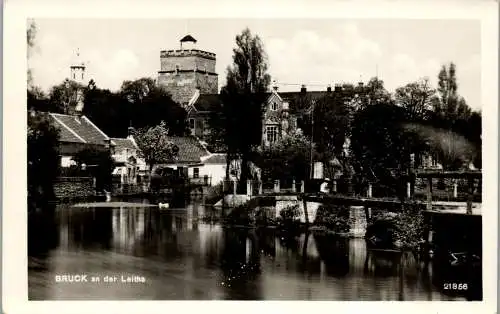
x,y
14,151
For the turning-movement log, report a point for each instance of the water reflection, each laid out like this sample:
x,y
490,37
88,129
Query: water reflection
x,y
183,258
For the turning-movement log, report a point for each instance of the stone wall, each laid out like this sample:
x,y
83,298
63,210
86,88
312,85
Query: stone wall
x,y
183,85
312,208
357,221
74,187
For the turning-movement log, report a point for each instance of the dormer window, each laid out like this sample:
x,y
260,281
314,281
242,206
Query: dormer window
x,y
274,106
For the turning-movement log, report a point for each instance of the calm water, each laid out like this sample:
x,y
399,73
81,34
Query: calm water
x,y
179,257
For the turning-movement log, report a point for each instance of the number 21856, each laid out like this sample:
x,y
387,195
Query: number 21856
x,y
455,286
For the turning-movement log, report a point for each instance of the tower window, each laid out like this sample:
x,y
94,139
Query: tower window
x,y
74,75
191,123
82,75
274,106
177,67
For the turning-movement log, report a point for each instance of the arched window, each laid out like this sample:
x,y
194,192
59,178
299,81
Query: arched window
x,y
274,106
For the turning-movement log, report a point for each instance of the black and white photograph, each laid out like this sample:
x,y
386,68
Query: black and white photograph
x,y
256,158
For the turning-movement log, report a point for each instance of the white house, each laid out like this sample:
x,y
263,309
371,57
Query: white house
x,y
214,166
126,156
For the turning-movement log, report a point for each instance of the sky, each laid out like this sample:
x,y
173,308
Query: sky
x,y
314,52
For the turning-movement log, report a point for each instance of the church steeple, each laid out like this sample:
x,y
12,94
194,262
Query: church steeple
x,y
77,69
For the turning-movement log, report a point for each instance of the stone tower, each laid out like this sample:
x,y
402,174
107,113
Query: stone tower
x,y
187,69
77,74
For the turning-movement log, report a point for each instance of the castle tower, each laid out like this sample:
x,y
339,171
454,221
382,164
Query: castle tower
x,y
187,69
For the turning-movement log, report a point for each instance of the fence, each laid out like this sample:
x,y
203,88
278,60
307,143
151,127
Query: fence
x,y
449,190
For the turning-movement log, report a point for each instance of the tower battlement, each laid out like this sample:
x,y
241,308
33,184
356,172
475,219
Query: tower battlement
x,y
187,53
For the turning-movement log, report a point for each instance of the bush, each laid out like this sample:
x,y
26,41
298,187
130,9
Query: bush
x,y
409,232
335,218
265,216
240,215
289,218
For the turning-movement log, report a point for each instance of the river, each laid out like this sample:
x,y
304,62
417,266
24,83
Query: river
x,y
144,253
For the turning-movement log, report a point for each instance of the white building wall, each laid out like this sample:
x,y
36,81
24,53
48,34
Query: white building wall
x,y
216,171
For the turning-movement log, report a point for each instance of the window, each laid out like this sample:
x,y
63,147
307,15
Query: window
x,y
191,123
82,75
196,172
274,106
177,67
74,75
271,133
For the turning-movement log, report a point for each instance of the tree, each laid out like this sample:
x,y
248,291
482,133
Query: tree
x,y
149,104
100,165
416,99
373,93
243,99
449,106
331,124
452,149
378,143
43,160
63,97
30,37
155,146
102,106
139,104
287,159
136,91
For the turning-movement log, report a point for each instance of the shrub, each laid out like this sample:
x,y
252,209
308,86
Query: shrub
x,y
240,215
264,216
335,218
409,230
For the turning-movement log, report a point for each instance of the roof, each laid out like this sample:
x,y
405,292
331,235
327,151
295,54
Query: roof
x,y
190,149
216,159
208,102
212,102
76,129
293,98
188,38
124,143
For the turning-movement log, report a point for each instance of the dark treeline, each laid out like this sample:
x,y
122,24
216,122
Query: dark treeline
x,y
139,104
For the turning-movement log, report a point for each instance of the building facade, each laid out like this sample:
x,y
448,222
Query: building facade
x,y
186,70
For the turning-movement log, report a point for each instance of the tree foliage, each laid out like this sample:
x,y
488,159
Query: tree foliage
x,y
155,145
287,159
416,99
99,164
243,96
43,160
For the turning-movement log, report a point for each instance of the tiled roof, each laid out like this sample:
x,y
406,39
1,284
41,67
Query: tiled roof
x,y
216,159
212,102
78,130
190,149
207,102
293,98
124,143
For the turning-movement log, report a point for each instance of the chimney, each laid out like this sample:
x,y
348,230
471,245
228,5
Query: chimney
x,y
329,88
303,89
130,132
